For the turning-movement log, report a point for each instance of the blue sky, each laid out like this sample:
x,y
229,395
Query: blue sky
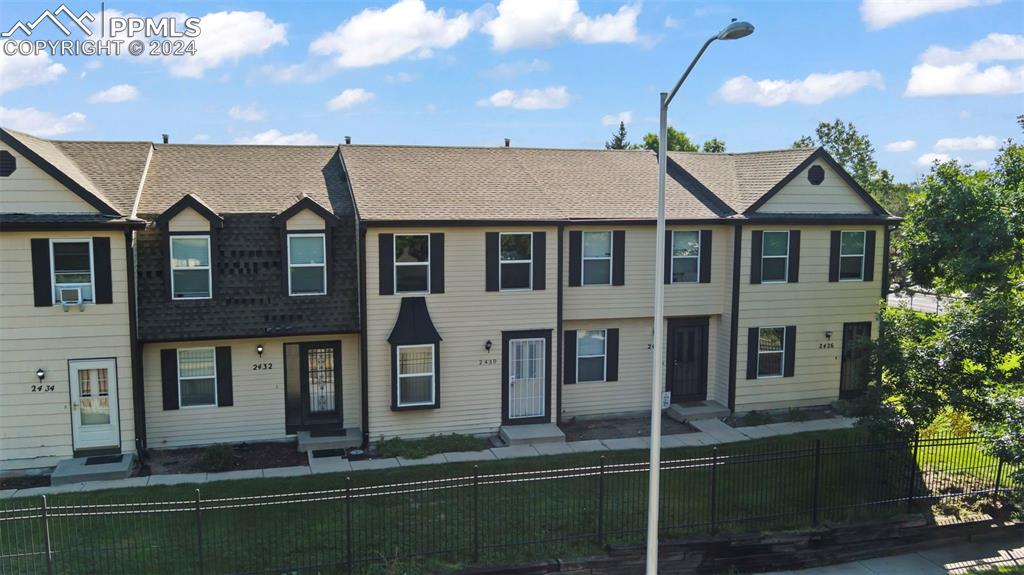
x,y
941,78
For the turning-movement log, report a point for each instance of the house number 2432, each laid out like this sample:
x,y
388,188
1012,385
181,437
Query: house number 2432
x,y
260,366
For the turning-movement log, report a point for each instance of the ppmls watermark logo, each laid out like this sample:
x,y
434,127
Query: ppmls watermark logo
x,y
108,36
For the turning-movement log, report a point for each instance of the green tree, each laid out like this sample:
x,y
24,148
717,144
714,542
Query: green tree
x,y
678,141
963,235
714,146
805,142
618,141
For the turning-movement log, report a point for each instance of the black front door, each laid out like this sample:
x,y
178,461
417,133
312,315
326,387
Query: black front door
x,y
313,385
854,373
687,361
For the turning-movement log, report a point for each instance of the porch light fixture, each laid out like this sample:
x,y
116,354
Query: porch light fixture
x,y
259,349
828,334
732,31
488,345
40,374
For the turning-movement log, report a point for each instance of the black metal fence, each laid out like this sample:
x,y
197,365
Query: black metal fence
x,y
421,526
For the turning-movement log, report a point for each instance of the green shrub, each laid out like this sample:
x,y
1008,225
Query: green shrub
x,y
216,458
755,417
797,414
420,448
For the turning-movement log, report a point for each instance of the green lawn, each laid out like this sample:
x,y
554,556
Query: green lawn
x,y
757,485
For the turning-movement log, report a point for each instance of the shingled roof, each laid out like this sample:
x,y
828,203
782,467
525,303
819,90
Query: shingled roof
x,y
415,183
242,179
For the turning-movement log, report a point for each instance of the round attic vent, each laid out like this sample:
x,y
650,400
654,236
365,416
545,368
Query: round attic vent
x,y
816,175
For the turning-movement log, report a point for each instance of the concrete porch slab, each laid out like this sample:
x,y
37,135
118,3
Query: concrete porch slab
x,y
349,438
690,411
77,470
531,434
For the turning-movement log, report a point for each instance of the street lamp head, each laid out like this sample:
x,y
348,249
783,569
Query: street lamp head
x,y
736,30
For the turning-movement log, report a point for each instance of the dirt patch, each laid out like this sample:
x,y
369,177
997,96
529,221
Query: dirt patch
x,y
582,430
24,481
752,418
223,458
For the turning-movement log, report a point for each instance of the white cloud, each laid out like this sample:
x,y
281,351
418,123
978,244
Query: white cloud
x,y
276,138
247,114
405,28
946,72
349,98
115,94
927,160
400,78
551,98
814,89
671,22
878,14
32,70
228,37
527,23
509,70
901,146
614,119
968,143
305,73
39,123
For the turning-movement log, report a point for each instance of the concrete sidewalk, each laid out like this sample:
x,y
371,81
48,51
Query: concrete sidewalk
x,y
969,557
712,432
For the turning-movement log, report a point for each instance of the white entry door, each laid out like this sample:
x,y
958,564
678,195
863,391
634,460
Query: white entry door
x,y
526,378
94,403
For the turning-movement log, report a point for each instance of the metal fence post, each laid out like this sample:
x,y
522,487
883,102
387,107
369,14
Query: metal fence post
x,y
199,533
600,505
46,538
348,523
999,479
913,471
714,488
817,483
476,514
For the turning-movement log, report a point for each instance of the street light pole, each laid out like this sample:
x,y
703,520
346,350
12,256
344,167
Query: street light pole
x,y
731,32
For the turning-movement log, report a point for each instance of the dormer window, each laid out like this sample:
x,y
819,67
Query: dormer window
x,y
307,264
190,267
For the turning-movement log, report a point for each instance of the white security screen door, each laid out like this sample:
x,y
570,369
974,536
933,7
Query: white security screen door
x,y
94,403
526,375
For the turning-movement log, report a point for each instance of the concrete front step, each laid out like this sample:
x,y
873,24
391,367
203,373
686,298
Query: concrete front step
x,y
78,470
690,411
352,437
531,434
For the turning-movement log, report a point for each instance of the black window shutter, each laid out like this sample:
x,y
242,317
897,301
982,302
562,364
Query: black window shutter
x,y
386,263
169,377
833,257
869,256
491,255
575,258
619,257
285,270
101,272
790,346
705,256
437,263
756,237
539,258
328,261
612,357
794,256
668,256
569,356
42,288
225,396
752,335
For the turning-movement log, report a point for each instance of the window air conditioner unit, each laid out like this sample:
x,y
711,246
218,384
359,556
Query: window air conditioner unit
x,y
71,296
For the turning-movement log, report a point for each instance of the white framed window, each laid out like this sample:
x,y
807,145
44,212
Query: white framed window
x,y
197,377
851,255
771,351
191,277
685,257
591,356
597,258
307,264
515,262
416,377
71,266
775,257
412,263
